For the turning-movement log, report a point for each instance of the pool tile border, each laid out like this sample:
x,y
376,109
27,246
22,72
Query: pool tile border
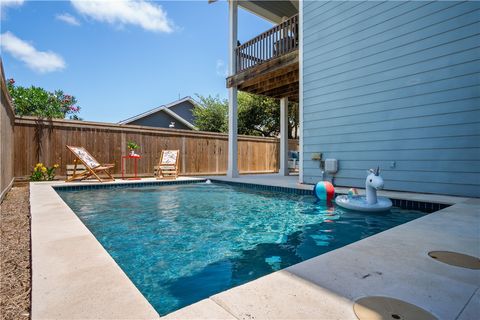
x,y
267,187
125,185
427,207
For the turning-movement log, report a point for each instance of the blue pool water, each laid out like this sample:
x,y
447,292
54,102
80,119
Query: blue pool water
x,y
183,243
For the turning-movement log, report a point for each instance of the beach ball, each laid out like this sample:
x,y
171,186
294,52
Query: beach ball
x,y
324,191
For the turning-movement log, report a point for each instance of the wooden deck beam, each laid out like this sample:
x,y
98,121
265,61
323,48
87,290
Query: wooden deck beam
x,y
276,81
290,91
272,83
271,66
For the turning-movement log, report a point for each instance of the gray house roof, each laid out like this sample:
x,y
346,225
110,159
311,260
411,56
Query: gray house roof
x,y
167,108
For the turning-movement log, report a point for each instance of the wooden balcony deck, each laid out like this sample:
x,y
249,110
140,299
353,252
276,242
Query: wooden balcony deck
x,y
268,64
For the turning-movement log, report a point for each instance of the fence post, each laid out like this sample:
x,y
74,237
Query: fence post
x,y
184,154
123,143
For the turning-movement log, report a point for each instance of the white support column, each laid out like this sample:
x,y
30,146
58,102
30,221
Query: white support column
x,y
232,165
232,168
283,137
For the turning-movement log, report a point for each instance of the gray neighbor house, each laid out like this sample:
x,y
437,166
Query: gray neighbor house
x,y
177,114
394,84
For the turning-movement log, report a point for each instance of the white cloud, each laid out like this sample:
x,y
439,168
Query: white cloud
x,y
68,18
40,61
11,3
8,3
144,14
221,69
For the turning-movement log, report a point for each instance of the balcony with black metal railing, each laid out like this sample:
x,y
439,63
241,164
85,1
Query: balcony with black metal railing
x,y
268,63
271,44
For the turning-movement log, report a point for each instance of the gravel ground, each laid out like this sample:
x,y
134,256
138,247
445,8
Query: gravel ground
x,y
15,266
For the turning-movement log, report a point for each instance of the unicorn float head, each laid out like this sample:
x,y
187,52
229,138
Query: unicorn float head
x,y
373,183
369,202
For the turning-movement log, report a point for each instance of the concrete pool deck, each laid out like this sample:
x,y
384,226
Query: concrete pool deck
x,y
74,277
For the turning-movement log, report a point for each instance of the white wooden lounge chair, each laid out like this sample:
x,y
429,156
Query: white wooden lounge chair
x,y
70,169
168,165
92,166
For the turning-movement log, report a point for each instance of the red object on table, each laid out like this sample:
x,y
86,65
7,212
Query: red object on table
x,y
135,158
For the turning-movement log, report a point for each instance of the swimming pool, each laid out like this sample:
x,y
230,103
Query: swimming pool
x,y
182,243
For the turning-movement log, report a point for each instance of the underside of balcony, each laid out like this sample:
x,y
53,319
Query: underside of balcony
x,y
276,78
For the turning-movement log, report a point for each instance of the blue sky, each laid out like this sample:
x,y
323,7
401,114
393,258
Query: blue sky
x,y
119,60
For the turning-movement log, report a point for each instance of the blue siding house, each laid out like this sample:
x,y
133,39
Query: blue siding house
x,y
177,114
394,84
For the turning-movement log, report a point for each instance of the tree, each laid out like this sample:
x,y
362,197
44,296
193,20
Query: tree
x,y
257,115
212,114
36,101
293,120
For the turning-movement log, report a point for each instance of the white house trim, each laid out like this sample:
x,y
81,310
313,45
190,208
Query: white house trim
x,y
166,109
259,11
300,91
182,120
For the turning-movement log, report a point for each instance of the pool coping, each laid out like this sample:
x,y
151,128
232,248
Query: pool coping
x,y
73,276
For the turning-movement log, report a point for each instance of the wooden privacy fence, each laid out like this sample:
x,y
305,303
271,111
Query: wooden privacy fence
x,y
201,153
7,116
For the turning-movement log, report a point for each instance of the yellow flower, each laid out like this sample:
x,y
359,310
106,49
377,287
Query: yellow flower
x,y
44,169
35,169
39,165
56,165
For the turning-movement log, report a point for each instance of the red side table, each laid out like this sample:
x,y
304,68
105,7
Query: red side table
x,y
135,158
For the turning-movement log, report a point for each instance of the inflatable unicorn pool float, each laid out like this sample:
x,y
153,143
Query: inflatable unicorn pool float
x,y
370,202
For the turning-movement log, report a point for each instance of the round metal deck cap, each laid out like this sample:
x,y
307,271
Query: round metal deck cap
x,y
384,308
456,259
